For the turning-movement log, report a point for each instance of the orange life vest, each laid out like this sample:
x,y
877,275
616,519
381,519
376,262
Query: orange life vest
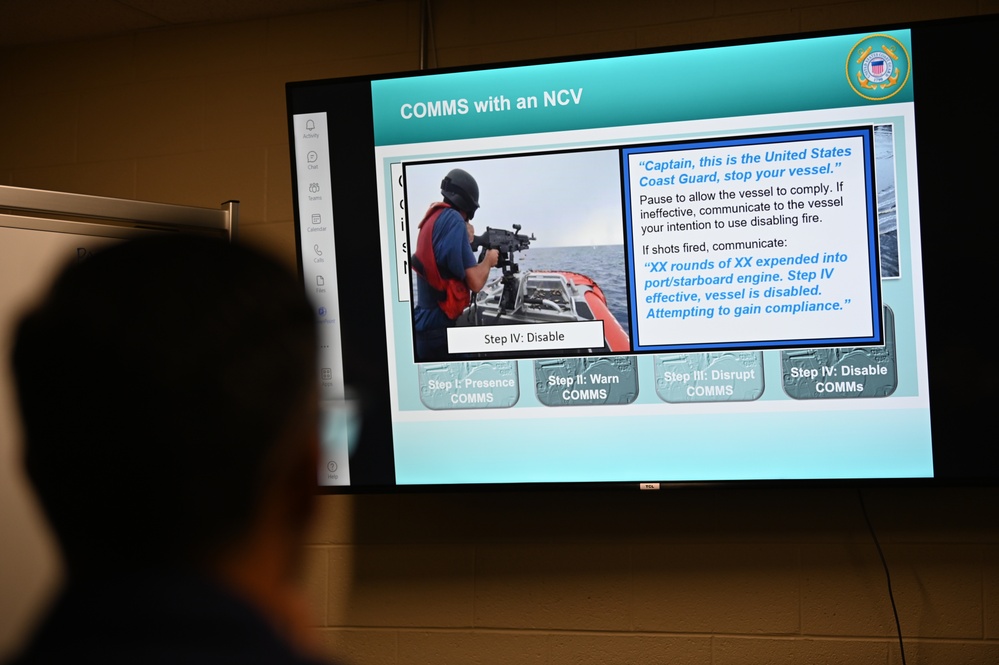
x,y
452,294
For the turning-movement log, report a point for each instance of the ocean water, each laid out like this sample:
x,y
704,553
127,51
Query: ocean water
x,y
604,264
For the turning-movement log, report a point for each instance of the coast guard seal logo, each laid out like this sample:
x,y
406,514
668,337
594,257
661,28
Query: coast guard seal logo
x,y
877,67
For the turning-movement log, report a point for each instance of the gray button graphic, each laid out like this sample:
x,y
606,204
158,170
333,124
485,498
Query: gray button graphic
x,y
725,376
586,381
842,372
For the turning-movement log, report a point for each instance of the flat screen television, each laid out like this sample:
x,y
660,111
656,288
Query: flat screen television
x,y
759,261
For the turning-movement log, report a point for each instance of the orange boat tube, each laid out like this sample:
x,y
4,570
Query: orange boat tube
x,y
614,334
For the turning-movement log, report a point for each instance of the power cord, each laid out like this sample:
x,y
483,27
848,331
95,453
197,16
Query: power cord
x,y
428,43
884,564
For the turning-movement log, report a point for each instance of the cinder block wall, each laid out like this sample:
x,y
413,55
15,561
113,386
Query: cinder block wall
x,y
196,115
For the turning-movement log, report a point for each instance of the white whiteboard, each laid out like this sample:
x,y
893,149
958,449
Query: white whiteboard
x,y
32,251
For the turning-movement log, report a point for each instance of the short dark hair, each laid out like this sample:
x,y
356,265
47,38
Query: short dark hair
x,y
155,381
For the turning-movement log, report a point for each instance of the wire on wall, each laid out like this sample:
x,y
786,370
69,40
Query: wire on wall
x,y
428,44
884,565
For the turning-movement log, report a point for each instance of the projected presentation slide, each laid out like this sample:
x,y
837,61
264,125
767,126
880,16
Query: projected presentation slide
x,y
704,278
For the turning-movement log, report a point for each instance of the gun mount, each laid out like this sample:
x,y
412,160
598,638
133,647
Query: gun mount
x,y
506,243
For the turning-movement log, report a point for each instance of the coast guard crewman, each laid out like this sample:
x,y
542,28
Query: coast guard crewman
x,y
445,266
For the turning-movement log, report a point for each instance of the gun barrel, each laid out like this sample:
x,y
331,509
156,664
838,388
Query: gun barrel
x,y
506,242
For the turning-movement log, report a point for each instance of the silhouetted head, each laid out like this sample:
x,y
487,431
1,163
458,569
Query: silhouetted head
x,y
162,383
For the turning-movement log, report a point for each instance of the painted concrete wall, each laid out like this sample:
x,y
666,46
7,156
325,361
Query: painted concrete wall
x,y
196,115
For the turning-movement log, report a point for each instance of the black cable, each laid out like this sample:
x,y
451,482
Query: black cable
x,y
423,34
428,42
884,564
433,36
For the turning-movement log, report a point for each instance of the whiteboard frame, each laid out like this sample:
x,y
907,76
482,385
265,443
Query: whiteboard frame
x,y
101,214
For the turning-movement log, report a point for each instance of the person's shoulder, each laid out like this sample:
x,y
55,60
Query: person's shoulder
x,y
451,226
170,619
450,216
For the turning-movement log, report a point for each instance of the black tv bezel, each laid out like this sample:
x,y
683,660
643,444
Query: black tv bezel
x,y
959,458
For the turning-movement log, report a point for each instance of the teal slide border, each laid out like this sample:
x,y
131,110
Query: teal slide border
x,y
751,79
892,443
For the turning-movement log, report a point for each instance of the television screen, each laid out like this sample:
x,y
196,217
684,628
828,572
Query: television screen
x,y
730,262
